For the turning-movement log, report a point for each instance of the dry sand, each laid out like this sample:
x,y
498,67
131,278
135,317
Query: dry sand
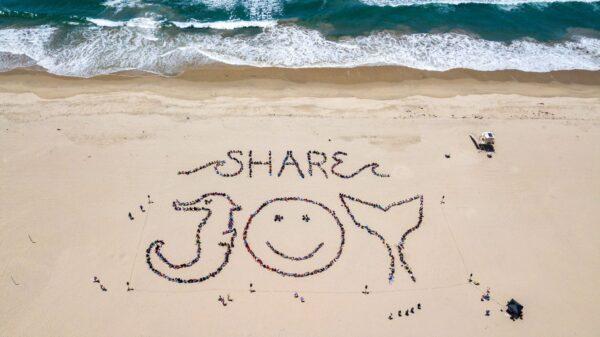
x,y
79,155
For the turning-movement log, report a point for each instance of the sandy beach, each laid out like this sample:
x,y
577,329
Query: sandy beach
x,y
124,177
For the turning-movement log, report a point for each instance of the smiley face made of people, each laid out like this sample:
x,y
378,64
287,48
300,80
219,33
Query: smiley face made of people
x,y
294,237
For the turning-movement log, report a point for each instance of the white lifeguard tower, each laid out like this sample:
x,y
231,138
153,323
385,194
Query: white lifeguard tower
x,y
487,139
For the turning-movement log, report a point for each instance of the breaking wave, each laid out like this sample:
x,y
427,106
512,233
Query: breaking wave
x,y
226,25
91,51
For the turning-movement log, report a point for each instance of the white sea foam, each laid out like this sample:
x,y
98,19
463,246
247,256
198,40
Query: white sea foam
x,y
257,9
106,23
150,23
121,4
95,51
226,25
145,23
24,47
399,3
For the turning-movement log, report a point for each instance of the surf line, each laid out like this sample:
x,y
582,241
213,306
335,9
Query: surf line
x,y
235,164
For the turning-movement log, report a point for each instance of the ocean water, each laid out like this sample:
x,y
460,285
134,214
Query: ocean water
x,y
85,38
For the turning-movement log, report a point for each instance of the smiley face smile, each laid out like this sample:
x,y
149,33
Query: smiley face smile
x,y
286,256
291,222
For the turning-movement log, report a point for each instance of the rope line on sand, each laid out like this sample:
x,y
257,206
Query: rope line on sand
x,y
273,291
141,235
462,258
139,242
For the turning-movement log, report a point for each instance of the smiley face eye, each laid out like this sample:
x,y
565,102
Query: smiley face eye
x,y
278,218
305,218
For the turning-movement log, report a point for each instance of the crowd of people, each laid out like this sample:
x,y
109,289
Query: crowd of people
x,y
202,204
372,166
202,167
204,201
373,232
283,272
295,258
401,244
235,158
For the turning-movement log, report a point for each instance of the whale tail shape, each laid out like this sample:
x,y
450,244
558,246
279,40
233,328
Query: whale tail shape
x,y
394,246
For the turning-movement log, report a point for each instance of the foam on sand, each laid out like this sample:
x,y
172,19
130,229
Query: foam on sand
x,y
139,46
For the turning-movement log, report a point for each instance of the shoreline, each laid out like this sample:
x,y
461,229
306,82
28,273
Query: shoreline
x,y
361,82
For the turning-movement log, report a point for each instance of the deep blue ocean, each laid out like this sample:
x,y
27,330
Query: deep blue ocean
x,y
91,37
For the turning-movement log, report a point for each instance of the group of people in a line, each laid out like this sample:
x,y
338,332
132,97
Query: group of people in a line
x,y
407,312
103,288
141,209
401,244
389,245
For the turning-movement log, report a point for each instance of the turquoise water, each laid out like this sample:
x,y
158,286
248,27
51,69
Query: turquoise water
x,y
91,37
